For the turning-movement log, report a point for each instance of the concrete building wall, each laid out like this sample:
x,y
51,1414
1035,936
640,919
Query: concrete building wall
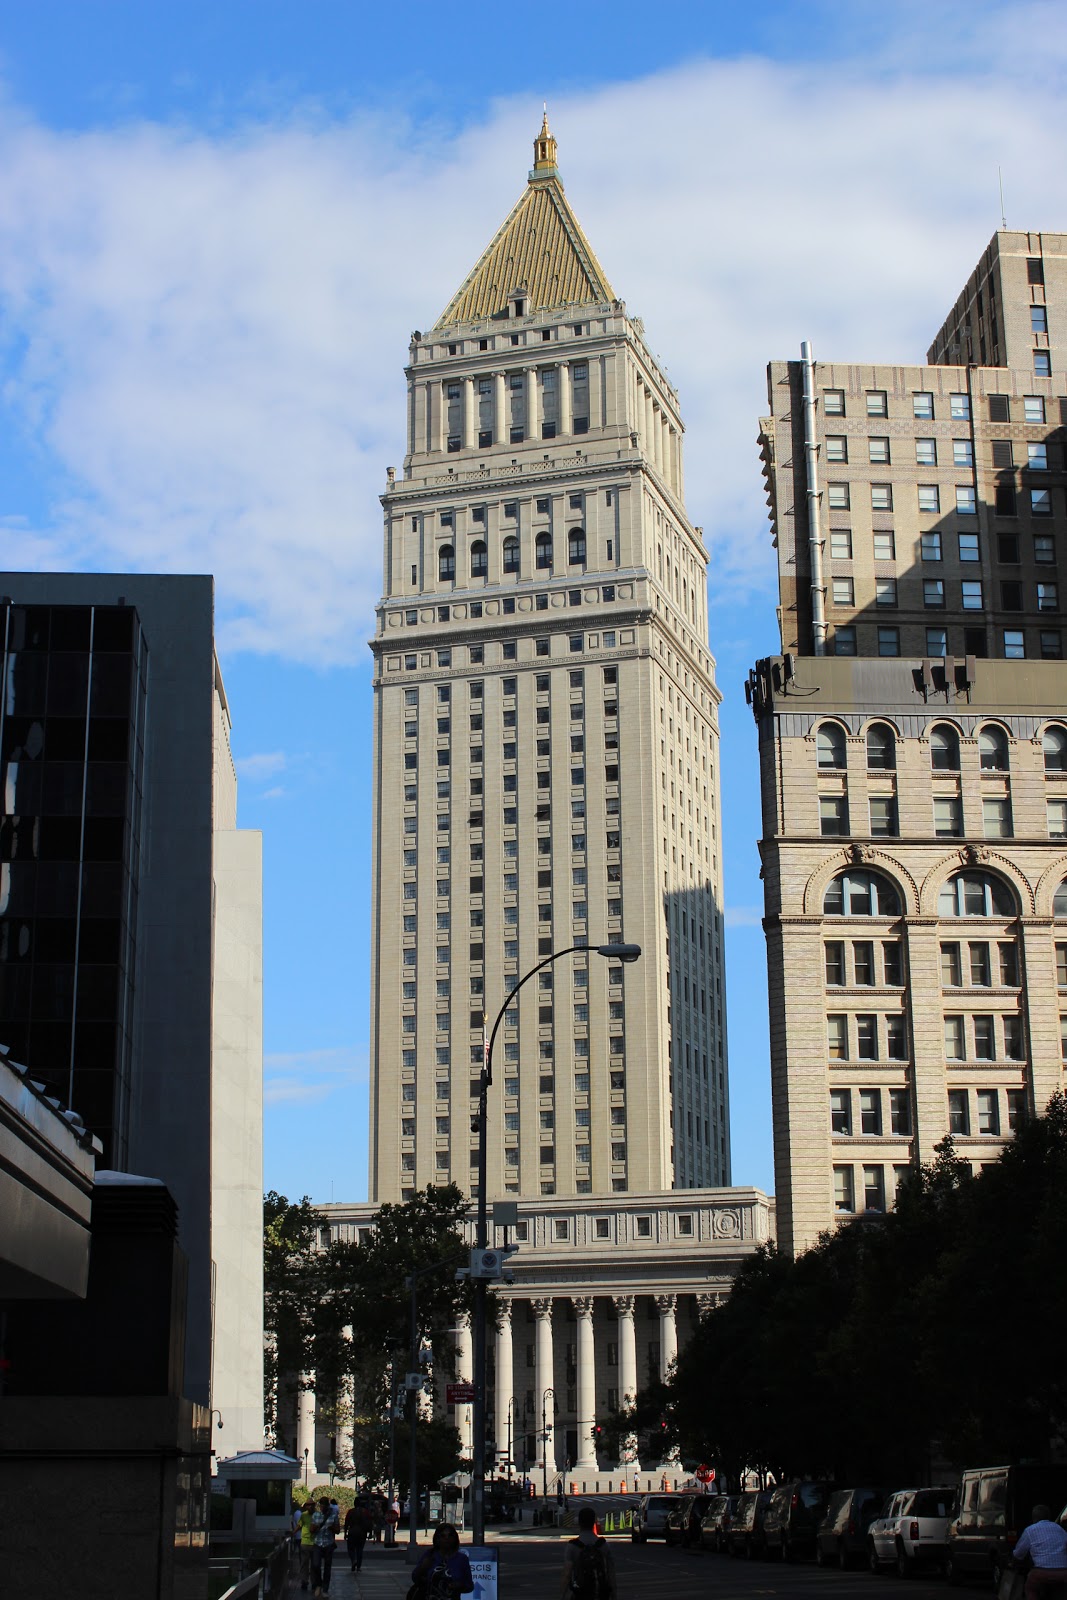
x,y
924,511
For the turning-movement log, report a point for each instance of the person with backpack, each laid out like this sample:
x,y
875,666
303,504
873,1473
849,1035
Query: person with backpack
x,y
358,1524
589,1568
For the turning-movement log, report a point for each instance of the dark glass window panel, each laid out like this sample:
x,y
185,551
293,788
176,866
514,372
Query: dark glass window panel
x,y
52,939
15,982
64,738
23,738
94,1096
105,790
109,694
100,941
98,992
50,1048
22,780
28,679
30,628
60,838
69,628
57,888
68,683
113,628
103,889
21,889
52,994
104,838
95,1047
61,788
19,839
109,738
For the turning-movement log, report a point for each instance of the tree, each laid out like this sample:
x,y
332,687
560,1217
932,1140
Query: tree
x,y
342,1311
290,1230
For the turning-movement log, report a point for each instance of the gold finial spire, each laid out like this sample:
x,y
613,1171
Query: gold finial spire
x,y
545,148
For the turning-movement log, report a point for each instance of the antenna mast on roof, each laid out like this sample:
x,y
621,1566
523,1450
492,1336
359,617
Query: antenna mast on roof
x,y
1003,218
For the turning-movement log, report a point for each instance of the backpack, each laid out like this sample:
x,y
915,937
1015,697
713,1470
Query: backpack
x,y
589,1570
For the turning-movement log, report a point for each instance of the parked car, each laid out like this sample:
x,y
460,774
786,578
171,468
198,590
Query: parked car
x,y
650,1518
683,1523
909,1531
715,1523
745,1534
841,1537
991,1508
792,1517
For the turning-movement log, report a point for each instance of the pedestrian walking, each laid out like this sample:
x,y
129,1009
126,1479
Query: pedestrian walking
x,y
1045,1542
588,1566
357,1527
307,1540
326,1526
444,1572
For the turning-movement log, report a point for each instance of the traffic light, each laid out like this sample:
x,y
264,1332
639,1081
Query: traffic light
x,y
596,1433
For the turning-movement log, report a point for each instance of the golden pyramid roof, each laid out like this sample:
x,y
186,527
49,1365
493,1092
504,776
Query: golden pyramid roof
x,y
540,250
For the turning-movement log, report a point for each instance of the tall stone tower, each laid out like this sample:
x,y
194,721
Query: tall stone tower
x,y
546,764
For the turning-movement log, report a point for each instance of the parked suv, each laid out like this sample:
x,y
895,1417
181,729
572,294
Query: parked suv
x,y
715,1526
992,1507
650,1518
910,1530
683,1523
792,1517
841,1536
745,1534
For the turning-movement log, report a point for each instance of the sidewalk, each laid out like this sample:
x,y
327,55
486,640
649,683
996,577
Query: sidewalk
x,y
386,1574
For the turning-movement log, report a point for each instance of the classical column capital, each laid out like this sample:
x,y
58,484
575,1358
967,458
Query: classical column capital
x,y
666,1304
504,1309
624,1304
583,1304
542,1308
707,1301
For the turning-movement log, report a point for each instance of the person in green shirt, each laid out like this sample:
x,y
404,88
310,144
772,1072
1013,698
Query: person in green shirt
x,y
307,1542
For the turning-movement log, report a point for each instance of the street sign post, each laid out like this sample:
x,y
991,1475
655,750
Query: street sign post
x,y
705,1474
459,1394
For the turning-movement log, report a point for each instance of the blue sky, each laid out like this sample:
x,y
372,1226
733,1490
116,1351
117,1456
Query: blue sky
x,y
219,224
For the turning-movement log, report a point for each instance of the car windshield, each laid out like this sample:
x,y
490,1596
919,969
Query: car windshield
x,y
812,1494
660,1502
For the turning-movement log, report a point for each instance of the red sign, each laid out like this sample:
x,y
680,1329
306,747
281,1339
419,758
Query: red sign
x,y
459,1394
706,1474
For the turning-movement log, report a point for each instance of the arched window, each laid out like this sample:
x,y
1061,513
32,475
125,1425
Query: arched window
x,y
881,748
993,748
944,748
861,894
543,551
1059,903
975,894
1054,749
446,564
576,546
511,555
830,744
479,559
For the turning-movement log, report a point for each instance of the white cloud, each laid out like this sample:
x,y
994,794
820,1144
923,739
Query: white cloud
x,y
743,916
313,1075
265,764
204,336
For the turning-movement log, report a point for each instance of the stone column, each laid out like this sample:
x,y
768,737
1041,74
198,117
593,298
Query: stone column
x,y
505,1378
533,413
544,1375
624,1308
666,1305
464,1372
470,421
586,1461
565,423
305,1430
500,408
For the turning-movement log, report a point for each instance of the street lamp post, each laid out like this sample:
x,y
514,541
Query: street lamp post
x,y
610,952
547,1434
